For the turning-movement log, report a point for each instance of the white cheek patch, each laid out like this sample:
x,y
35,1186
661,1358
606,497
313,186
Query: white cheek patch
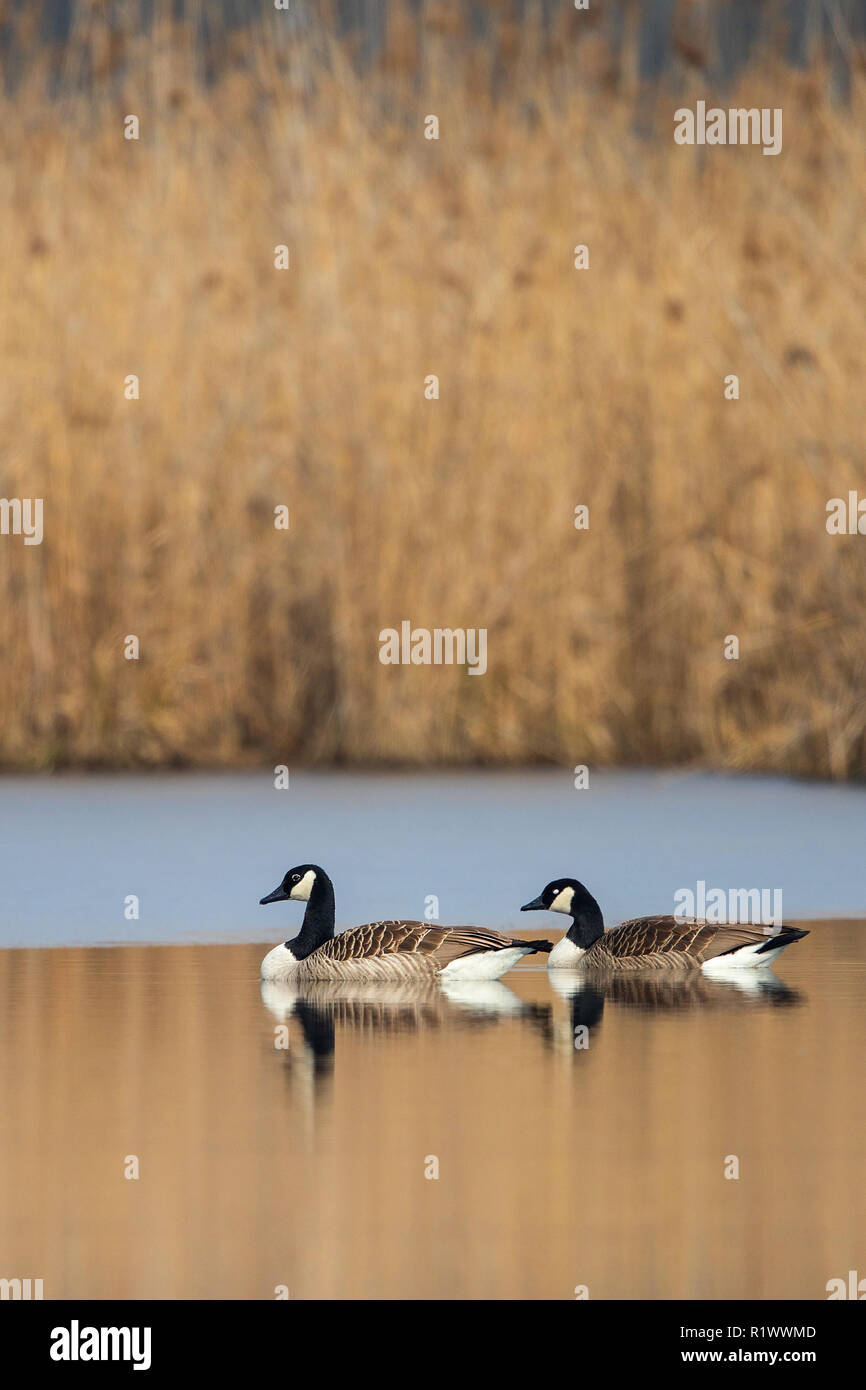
x,y
562,901
303,889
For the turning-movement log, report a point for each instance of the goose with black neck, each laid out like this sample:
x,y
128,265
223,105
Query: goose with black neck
x,y
653,943
389,950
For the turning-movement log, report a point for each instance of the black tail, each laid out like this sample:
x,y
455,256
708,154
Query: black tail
x,y
783,937
536,947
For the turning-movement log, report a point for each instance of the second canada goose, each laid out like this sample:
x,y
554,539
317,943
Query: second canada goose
x,y
652,943
381,950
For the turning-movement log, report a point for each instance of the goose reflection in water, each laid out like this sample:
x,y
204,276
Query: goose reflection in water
x,y
566,1022
587,993
389,1009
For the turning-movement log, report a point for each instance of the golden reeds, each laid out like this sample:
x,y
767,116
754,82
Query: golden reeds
x,y
306,387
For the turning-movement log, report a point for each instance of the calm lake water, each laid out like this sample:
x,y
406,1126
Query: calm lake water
x,y
310,1165
198,851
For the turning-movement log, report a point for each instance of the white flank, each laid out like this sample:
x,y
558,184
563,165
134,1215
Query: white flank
x,y
747,957
483,965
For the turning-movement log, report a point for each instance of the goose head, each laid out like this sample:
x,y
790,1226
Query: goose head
x,y
560,895
569,896
298,885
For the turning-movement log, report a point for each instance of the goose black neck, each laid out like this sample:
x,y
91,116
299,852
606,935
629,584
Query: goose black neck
x,y
318,924
587,923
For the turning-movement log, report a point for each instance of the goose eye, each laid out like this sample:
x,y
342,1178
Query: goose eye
x,y
296,878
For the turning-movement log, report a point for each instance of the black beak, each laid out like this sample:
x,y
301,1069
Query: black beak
x,y
535,906
279,895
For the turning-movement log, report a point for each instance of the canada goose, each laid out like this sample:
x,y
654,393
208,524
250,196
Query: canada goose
x,y
381,950
653,943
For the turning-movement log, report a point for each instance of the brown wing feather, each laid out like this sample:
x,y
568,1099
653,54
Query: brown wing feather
x,y
439,945
700,941
373,939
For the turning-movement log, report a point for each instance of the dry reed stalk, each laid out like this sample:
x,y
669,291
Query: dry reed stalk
x,y
558,387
